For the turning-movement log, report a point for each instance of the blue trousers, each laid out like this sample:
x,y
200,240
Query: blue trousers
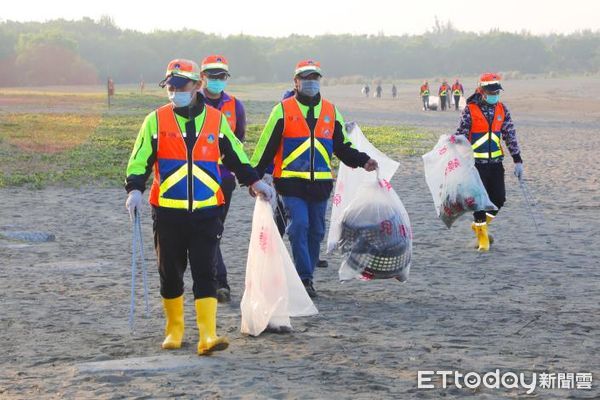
x,y
306,230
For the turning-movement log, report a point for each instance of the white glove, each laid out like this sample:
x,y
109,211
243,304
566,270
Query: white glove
x,y
519,171
263,190
268,179
134,202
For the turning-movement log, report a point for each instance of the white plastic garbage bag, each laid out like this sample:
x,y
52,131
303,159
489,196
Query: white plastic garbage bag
x,y
350,179
434,103
453,180
274,291
376,237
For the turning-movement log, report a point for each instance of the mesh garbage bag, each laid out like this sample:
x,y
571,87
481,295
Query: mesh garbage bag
x,y
376,237
453,180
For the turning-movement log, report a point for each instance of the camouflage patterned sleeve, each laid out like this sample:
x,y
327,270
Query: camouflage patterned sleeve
x,y
464,125
509,135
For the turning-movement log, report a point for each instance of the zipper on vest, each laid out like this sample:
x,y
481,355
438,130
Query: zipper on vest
x,y
312,146
490,133
190,180
190,176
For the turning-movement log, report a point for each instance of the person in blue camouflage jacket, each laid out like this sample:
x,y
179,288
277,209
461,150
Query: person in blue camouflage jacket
x,y
486,122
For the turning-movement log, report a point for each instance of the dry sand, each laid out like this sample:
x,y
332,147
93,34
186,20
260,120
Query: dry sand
x,y
529,305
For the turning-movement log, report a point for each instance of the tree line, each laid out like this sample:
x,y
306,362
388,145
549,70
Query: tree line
x,y
87,51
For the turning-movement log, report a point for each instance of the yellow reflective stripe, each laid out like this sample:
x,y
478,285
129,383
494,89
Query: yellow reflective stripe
x,y
319,146
211,201
305,175
482,140
180,174
172,203
173,179
495,154
295,174
212,185
205,178
323,175
296,153
496,139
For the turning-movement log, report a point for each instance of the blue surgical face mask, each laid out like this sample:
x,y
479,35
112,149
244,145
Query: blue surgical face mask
x,y
492,98
216,86
310,87
181,99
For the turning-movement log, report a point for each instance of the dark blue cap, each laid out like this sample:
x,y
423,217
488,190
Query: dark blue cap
x,y
177,81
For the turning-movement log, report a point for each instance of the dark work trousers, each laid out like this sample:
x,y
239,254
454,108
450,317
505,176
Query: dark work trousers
x,y
492,176
456,101
425,102
443,102
228,186
178,240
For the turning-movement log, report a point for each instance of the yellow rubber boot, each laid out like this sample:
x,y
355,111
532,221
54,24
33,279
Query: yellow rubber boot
x,y
206,317
480,229
174,326
489,218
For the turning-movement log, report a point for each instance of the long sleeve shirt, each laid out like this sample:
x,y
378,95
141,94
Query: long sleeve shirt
x,y
509,134
271,138
143,156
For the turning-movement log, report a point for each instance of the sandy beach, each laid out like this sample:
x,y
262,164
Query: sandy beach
x,y
529,305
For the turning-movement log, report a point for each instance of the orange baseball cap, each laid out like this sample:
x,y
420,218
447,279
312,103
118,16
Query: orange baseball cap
x,y
307,67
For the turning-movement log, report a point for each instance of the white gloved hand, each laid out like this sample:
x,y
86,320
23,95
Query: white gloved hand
x,y
519,171
263,190
268,179
134,202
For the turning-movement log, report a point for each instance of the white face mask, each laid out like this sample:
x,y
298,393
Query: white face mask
x,y
181,99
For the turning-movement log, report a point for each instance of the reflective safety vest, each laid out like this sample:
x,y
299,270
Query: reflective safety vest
x,y
187,179
228,109
302,153
424,91
485,139
456,90
444,90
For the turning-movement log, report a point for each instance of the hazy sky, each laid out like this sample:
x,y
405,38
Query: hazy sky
x,y
281,18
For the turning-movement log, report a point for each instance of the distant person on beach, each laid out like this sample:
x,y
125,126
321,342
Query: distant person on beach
x,y
457,92
394,92
300,137
486,121
424,93
378,91
183,142
366,89
444,93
